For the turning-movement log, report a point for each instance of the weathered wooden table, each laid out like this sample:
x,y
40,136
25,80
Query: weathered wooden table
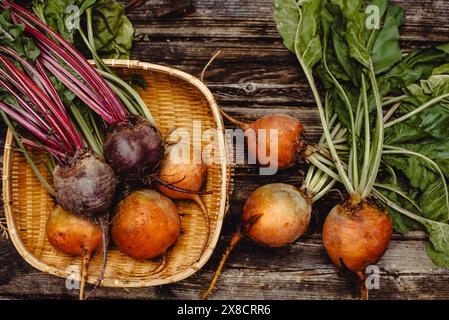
x,y
255,75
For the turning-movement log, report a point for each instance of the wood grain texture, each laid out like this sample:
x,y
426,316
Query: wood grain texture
x,y
300,271
160,8
255,75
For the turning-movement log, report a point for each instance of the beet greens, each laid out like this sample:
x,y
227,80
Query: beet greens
x,y
400,156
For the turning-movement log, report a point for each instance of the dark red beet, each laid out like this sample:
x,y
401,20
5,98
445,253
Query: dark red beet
x,y
86,185
134,148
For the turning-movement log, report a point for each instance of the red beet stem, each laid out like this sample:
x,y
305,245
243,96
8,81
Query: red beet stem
x,y
39,76
46,56
27,125
29,68
25,16
89,99
31,113
49,88
58,110
44,110
46,106
25,115
50,47
56,153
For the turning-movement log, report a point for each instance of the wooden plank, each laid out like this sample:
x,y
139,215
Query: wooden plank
x,y
271,76
426,20
159,8
300,271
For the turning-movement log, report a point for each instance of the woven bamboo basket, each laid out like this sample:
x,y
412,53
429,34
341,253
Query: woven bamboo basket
x,y
176,99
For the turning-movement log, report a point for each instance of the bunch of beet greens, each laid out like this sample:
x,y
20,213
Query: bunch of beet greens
x,y
394,157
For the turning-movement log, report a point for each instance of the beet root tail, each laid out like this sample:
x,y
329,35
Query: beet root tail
x,y
84,271
235,239
104,223
234,121
174,188
362,286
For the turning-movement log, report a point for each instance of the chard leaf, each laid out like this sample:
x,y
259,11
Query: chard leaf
x,y
435,86
439,236
12,36
287,16
298,23
431,123
437,151
55,14
342,53
418,174
417,65
438,247
338,57
382,5
386,51
443,69
433,202
112,30
444,47
309,42
404,132
440,259
401,223
354,14
339,107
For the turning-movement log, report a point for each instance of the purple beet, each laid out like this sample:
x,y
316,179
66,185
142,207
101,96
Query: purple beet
x,y
134,148
86,185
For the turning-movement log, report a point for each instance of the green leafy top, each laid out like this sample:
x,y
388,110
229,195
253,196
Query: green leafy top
x,y
299,26
12,36
358,66
112,31
55,14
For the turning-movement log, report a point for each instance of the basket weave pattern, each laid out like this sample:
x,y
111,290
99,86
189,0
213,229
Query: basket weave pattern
x,y
176,99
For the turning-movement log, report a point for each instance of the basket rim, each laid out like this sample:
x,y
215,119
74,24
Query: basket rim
x,y
225,182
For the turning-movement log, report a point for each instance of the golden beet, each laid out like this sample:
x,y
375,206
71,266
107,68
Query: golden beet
x,y
274,215
72,234
290,142
77,236
190,177
146,224
280,214
357,236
